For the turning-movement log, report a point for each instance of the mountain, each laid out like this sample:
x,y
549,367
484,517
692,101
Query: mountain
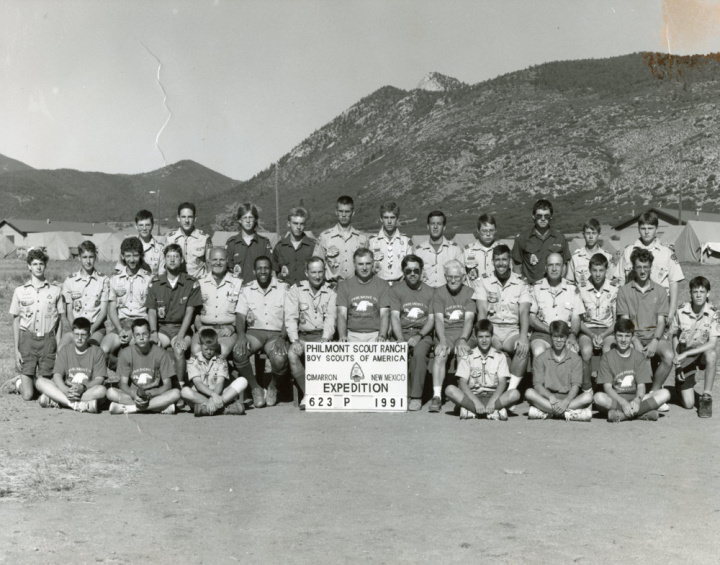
x,y
599,138
8,165
67,194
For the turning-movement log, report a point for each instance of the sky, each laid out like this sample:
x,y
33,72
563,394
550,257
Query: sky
x,y
241,82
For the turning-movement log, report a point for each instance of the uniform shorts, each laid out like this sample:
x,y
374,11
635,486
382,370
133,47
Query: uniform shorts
x,y
263,336
38,353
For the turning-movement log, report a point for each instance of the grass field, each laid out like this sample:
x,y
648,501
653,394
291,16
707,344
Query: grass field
x,y
278,485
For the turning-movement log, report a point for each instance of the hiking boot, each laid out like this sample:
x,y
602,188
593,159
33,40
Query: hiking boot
x,y
705,405
534,413
258,396
46,402
435,404
650,416
236,408
579,415
271,396
415,404
616,416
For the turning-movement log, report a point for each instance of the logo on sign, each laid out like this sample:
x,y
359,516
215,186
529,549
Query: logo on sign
x,y
356,373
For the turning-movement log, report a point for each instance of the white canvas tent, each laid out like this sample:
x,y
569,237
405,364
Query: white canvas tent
x,y
7,247
699,241
57,244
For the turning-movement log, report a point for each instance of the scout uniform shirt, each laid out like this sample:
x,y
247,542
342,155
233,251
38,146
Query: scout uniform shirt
x,y
531,244
129,292
219,300
239,252
306,311
287,255
561,302
579,268
665,268
153,260
37,307
263,309
694,329
210,371
434,260
483,372
503,301
600,305
172,302
477,256
414,306
194,247
338,247
86,293
388,252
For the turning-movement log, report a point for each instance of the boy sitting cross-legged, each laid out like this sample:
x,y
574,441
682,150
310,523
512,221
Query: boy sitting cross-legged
x,y
482,380
208,372
79,373
557,377
624,372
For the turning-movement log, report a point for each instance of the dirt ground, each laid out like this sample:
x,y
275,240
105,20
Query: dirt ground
x,y
278,485
281,486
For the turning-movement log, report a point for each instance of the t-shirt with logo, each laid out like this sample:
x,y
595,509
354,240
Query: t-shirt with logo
x,y
414,306
363,302
453,308
80,367
624,373
146,370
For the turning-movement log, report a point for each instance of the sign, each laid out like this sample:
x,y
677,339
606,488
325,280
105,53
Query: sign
x,y
359,377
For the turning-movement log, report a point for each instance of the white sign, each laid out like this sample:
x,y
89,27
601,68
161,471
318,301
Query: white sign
x,y
360,377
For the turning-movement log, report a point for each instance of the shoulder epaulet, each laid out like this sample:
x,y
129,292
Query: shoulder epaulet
x,y
155,278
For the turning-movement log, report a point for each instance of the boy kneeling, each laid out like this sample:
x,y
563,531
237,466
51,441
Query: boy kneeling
x,y
695,329
146,371
557,378
624,372
482,380
79,373
208,372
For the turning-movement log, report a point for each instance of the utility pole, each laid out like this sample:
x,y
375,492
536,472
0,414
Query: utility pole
x,y
277,200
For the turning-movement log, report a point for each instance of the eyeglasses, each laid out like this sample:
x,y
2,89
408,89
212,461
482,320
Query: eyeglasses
x,y
543,216
412,271
453,278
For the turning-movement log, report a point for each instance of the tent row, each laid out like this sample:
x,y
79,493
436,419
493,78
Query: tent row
x,y
695,242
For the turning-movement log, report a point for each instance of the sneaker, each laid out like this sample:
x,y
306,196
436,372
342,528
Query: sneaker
x,y
495,415
502,415
169,410
535,413
301,404
89,406
466,414
236,408
258,395
705,406
579,415
201,409
11,386
435,404
46,402
616,416
415,404
271,397
650,416
116,408
664,408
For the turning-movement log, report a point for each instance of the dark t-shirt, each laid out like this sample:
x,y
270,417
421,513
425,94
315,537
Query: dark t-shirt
x,y
80,367
363,302
624,373
145,370
530,243
414,306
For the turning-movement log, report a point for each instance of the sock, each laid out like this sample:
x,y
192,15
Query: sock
x,y
514,382
130,408
646,405
437,390
498,405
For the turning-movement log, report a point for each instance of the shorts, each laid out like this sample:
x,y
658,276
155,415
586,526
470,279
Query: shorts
x,y
539,336
222,330
125,324
313,336
360,337
263,336
38,353
484,396
171,330
504,333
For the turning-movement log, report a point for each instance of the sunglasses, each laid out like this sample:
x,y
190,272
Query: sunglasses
x,y
543,216
412,271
